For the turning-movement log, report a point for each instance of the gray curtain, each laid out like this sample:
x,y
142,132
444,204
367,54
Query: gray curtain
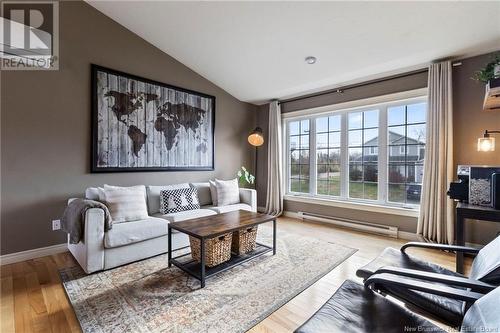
x,y
436,219
274,198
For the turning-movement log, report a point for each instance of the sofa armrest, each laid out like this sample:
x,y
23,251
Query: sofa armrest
x,y
89,252
249,197
70,200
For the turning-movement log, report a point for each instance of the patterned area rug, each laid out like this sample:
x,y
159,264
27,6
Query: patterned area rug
x,y
147,296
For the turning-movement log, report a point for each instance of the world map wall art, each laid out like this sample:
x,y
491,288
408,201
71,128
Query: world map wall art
x,y
143,125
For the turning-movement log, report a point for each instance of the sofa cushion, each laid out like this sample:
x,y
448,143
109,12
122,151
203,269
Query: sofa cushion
x,y
186,215
486,265
153,194
449,310
179,200
204,195
229,208
228,192
136,231
354,308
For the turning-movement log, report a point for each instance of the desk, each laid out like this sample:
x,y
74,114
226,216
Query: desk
x,y
466,211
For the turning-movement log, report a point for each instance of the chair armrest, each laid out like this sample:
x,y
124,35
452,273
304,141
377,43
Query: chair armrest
x,y
474,285
464,249
388,280
249,197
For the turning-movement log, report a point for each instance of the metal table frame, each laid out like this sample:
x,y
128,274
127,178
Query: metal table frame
x,y
199,270
467,211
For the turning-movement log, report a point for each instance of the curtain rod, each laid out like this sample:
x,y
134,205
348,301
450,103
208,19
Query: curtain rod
x,y
352,86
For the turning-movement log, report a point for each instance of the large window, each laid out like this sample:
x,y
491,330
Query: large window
x,y
373,154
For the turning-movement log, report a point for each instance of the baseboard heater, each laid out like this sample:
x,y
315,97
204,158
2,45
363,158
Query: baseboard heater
x,y
353,224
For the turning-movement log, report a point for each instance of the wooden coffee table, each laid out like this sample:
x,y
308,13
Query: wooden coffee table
x,y
213,226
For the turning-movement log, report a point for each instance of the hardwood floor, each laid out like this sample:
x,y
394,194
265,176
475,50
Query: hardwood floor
x,y
33,299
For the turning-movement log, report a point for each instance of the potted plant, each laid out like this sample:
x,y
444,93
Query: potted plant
x,y
245,178
489,72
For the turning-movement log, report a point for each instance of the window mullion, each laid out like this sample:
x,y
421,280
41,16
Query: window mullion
x,y
287,159
312,156
344,157
382,155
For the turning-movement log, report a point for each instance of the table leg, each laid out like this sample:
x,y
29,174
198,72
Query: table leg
x,y
169,246
202,263
274,237
460,240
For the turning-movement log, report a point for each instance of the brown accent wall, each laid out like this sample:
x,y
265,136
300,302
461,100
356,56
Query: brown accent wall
x,y
398,84
469,124
45,125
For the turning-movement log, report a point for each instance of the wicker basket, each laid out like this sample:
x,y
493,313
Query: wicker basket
x,y
244,240
217,250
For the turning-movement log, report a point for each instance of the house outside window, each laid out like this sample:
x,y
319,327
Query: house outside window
x,y
372,154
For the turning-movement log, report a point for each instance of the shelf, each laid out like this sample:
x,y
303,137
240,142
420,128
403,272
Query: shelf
x,y
492,95
192,267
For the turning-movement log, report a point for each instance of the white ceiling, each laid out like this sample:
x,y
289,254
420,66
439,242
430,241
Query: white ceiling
x,y
256,50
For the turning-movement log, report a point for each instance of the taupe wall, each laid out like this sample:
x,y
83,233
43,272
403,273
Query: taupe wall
x,y
415,81
469,123
45,138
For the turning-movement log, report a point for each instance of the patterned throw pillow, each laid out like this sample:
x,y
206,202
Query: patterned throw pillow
x,y
179,200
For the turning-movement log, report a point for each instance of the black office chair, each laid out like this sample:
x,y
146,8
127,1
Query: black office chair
x,y
484,277
357,308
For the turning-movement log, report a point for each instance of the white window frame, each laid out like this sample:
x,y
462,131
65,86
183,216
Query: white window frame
x,y
382,103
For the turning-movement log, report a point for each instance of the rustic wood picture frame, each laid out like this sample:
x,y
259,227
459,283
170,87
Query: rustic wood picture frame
x,y
143,125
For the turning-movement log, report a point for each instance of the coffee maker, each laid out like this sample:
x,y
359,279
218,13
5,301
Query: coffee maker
x,y
477,185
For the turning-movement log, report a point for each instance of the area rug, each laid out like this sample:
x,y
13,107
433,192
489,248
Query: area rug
x,y
147,296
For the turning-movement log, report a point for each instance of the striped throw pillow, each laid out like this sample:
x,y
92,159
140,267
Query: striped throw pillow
x,y
228,192
126,203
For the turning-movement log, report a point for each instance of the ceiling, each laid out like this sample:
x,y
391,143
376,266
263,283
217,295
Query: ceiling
x,y
256,50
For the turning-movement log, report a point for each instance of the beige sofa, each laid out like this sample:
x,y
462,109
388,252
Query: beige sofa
x,y
131,241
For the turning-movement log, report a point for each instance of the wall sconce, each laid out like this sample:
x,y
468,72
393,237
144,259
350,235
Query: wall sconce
x,y
487,142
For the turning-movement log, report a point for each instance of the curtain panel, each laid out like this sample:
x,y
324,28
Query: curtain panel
x,y
436,219
274,198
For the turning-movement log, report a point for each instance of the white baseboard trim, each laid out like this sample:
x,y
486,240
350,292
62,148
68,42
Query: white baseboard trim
x,y
409,236
12,258
401,234
294,215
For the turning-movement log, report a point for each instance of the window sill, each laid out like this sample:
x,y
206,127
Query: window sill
x,y
411,212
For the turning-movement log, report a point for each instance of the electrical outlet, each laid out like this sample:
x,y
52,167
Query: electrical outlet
x,y
56,224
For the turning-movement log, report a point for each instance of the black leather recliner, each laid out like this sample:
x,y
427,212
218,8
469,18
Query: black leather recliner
x,y
357,308
485,275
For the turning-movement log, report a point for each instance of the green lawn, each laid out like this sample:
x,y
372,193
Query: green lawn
x,y
363,190
357,190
